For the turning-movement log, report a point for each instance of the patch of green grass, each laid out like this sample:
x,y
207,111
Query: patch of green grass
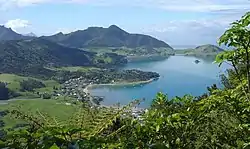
x,y
50,84
49,108
14,84
12,80
77,68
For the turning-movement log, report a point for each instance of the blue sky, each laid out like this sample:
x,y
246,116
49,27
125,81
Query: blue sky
x,y
178,22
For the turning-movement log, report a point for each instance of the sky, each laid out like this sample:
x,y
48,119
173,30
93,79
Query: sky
x,y
177,22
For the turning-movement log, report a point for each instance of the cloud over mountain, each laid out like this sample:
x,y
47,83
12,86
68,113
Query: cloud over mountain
x,y
17,24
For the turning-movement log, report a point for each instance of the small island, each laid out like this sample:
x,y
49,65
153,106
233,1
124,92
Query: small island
x,y
207,52
197,61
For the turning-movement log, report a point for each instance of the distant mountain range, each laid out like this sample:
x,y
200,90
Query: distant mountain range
x,y
98,37
30,55
112,36
21,53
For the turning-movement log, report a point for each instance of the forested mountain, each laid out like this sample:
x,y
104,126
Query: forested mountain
x,y
106,37
22,56
208,49
9,34
208,52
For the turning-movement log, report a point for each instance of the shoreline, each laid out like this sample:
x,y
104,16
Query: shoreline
x,y
93,86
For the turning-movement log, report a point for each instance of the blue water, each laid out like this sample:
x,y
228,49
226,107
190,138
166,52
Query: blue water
x,y
179,76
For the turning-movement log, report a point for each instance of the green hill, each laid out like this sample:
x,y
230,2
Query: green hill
x,y
112,36
208,49
29,57
204,51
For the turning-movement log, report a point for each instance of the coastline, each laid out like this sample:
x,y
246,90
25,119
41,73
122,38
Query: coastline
x,y
147,58
93,86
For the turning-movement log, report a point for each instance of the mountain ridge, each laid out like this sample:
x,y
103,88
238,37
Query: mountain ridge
x,y
113,36
208,48
9,34
31,34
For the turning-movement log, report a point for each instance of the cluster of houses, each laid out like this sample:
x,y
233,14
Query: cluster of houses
x,y
75,88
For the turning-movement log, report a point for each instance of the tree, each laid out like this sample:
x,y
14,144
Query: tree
x,y
238,37
4,91
46,96
31,84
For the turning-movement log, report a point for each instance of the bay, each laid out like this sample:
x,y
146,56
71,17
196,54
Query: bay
x,y
180,75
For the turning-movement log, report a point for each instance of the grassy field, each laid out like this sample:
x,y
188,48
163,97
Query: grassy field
x,y
49,108
77,68
50,84
30,103
12,80
14,84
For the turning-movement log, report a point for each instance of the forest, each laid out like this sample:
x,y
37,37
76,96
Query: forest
x,y
218,119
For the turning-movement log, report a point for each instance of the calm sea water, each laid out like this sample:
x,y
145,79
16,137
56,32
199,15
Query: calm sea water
x,y
179,76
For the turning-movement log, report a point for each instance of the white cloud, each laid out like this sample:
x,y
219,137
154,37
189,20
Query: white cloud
x,y
190,32
7,4
170,5
17,24
182,5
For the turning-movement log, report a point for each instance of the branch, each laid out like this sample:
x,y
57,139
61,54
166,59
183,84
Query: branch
x,y
239,78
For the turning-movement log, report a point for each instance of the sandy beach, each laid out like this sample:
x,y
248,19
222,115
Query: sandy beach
x,y
93,86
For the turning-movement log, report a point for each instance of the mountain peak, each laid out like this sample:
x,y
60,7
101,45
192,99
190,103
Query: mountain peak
x,y
208,48
113,36
114,26
9,34
31,34
60,33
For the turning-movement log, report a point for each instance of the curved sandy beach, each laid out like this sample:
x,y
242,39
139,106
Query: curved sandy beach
x,y
93,86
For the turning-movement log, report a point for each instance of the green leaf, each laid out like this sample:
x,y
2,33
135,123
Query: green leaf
x,y
157,128
178,141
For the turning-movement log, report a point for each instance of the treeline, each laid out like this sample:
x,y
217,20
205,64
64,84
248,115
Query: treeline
x,y
104,76
6,93
31,84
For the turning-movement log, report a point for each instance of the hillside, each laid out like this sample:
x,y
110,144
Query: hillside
x,y
31,56
208,49
9,34
204,51
112,36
